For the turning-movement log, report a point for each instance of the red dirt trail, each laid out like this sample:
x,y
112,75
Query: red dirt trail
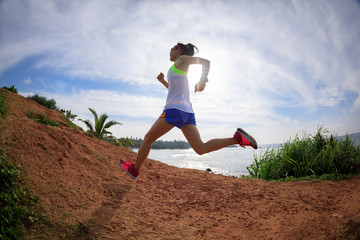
x,y
86,195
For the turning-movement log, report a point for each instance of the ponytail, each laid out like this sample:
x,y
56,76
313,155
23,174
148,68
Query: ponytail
x,y
188,49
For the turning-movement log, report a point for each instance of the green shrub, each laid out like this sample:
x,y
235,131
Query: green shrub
x,y
15,201
43,119
310,155
68,114
2,106
11,89
49,103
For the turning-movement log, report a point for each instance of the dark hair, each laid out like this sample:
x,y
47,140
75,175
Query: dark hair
x,y
188,49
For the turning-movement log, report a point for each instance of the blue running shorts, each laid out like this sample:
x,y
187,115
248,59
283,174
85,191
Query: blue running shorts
x,y
178,118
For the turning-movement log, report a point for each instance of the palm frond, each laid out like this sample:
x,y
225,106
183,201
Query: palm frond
x,y
88,124
111,123
100,124
99,127
95,114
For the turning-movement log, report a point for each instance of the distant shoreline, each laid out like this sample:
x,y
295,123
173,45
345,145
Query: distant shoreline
x,y
177,144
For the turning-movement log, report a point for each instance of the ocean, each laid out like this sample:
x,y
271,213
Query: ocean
x,y
231,161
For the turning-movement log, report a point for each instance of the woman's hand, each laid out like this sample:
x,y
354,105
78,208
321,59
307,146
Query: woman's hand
x,y
200,86
161,79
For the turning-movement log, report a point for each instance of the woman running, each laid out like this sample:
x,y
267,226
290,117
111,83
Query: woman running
x,y
178,111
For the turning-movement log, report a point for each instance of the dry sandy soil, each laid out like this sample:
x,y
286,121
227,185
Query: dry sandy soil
x,y
86,195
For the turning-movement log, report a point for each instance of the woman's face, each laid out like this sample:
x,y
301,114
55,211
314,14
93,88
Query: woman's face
x,y
175,53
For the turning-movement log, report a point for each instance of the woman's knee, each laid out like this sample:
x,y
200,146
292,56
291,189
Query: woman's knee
x,y
199,150
149,138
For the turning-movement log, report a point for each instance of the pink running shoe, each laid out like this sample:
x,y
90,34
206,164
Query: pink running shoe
x,y
244,139
129,168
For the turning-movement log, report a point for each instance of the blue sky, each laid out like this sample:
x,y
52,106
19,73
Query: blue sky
x,y
278,68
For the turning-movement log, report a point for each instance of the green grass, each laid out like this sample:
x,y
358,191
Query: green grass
x,y
312,155
43,119
2,106
15,202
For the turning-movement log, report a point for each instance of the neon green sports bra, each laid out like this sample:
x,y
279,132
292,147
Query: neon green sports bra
x,y
178,71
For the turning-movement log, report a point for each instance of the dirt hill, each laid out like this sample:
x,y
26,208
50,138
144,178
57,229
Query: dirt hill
x,y
86,196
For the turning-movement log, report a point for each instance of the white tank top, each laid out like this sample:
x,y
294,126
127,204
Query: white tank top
x,y
178,91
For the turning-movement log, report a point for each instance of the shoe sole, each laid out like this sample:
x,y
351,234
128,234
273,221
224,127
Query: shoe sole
x,y
248,137
126,171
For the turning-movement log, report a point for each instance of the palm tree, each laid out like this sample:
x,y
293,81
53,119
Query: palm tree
x,y
99,129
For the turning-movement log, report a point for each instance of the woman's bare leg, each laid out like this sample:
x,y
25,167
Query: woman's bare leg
x,y
159,128
192,134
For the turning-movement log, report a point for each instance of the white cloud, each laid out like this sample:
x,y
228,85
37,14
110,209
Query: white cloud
x,y
264,56
27,80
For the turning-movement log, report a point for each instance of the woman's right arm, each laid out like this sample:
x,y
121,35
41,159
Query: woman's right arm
x,y
161,79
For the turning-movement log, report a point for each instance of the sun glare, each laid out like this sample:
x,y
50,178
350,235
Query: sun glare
x,y
194,73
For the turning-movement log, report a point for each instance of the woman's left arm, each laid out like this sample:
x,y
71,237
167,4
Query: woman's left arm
x,y
188,60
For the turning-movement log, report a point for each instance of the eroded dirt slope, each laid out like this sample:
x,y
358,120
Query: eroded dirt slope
x,y
86,196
